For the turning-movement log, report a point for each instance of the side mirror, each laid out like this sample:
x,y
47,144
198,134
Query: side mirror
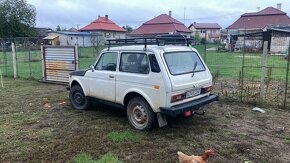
x,y
92,68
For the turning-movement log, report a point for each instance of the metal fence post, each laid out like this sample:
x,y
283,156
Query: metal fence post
x,y
204,57
287,79
14,60
77,57
263,71
243,66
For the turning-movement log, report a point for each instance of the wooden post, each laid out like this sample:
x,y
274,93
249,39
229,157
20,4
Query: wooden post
x,y
1,78
263,71
14,60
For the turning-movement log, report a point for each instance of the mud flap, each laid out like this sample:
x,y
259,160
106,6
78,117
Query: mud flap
x,y
161,118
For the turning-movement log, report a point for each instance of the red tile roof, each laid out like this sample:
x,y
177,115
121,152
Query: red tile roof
x,y
261,19
162,24
103,24
205,26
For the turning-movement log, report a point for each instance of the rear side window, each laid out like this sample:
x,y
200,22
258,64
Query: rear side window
x,y
134,63
183,62
153,63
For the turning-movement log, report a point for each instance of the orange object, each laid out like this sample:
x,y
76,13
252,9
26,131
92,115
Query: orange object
x,y
156,87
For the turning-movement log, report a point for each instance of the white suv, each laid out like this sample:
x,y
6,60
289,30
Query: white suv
x,y
149,81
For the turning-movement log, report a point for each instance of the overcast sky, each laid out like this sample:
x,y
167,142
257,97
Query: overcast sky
x,y
74,13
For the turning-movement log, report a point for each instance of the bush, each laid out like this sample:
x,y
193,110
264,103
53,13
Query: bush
x,y
203,41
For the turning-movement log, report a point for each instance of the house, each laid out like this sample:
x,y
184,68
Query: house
x,y
162,24
278,37
42,32
105,27
210,31
66,38
255,22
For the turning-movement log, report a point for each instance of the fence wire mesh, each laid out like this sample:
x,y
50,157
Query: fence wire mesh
x,y
28,57
236,73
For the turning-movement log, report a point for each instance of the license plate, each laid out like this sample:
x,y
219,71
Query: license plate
x,y
192,93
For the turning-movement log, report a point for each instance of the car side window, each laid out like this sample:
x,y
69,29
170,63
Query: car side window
x,y
108,61
134,63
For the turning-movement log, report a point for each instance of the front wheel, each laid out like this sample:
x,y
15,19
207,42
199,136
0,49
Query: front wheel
x,y
78,99
140,115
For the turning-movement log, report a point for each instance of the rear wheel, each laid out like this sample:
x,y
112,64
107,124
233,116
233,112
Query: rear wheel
x,y
78,99
140,115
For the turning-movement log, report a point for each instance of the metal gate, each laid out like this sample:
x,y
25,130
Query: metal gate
x,y
58,62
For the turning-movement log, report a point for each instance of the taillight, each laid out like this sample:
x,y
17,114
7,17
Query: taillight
x,y
207,89
178,97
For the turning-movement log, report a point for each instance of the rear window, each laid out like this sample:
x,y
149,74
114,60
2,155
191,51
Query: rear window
x,y
183,62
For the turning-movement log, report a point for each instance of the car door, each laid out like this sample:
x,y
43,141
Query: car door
x,y
102,79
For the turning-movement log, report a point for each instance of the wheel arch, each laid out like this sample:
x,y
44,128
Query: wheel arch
x,y
131,94
77,82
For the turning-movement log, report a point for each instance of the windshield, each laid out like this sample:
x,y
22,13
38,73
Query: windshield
x,y
183,62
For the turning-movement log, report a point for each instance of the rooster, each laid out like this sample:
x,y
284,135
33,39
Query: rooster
x,y
183,158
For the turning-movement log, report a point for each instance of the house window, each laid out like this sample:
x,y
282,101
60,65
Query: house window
x,y
213,31
71,38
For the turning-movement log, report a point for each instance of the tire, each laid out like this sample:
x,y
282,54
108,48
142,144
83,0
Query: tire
x,y
78,99
140,115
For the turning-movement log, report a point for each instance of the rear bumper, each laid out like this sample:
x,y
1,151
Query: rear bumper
x,y
189,106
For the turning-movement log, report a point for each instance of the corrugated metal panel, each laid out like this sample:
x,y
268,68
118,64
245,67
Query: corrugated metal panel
x,y
59,62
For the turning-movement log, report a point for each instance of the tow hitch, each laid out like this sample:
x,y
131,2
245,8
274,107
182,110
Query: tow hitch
x,y
200,111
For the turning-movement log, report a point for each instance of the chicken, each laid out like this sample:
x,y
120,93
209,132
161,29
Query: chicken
x,y
183,158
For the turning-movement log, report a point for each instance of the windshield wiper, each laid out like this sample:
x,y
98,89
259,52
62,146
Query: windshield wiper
x,y
194,67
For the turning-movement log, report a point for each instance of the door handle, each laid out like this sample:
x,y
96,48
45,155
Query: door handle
x,y
111,76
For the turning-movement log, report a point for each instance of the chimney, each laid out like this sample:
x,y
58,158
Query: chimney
x,y
106,17
169,13
258,8
279,6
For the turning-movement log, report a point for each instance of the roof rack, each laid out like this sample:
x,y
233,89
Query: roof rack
x,y
159,40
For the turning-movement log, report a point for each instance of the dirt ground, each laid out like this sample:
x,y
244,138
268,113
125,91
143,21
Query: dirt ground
x,y
37,124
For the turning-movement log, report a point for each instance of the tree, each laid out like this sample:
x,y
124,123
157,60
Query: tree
x,y
58,28
17,18
128,28
97,39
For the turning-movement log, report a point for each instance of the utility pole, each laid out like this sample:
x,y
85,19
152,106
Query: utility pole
x,y
184,15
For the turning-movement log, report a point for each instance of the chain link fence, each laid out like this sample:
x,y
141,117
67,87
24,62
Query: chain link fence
x,y
27,56
244,73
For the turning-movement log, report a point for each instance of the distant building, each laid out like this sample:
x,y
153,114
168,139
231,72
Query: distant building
x,y
254,23
66,38
72,29
105,27
278,37
210,31
162,24
42,32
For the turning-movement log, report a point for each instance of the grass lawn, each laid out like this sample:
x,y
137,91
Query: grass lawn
x,y
37,124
